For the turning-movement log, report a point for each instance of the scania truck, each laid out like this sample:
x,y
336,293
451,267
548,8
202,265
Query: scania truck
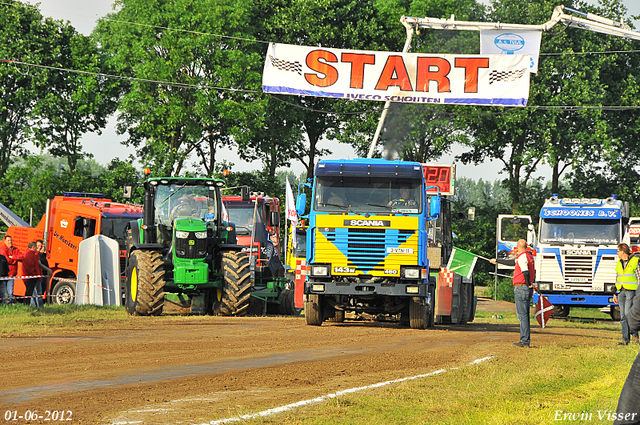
x,y
577,252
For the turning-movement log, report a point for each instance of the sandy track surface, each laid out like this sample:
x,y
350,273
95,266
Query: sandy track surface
x,y
186,370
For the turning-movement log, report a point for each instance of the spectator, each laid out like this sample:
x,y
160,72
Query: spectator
x,y
43,286
13,255
628,410
31,267
4,272
627,277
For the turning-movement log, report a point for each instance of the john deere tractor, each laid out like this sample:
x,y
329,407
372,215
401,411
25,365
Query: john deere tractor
x,y
182,245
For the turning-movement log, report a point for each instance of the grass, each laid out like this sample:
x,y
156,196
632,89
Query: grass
x,y
26,320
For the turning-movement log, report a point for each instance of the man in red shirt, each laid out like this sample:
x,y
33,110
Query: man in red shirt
x,y
13,255
524,275
31,267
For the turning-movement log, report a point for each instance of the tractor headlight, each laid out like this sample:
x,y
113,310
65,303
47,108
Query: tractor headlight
x,y
411,272
182,235
319,270
201,235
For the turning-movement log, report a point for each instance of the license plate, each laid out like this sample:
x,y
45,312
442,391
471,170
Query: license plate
x,y
399,250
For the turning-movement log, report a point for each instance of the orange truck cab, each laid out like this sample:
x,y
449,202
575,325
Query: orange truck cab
x,y
68,220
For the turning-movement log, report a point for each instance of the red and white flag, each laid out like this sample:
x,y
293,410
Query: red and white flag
x,y
291,211
544,309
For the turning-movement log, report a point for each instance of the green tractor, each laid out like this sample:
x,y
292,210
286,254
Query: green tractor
x,y
182,245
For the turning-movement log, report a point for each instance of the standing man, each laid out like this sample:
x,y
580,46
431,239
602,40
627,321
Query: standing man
x,y
44,266
13,255
523,277
627,277
31,267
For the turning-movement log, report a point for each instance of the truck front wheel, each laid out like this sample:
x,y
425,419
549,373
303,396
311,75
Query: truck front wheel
x,y
313,310
145,284
420,316
63,293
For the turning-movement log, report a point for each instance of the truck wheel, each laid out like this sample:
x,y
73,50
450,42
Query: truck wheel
x,y
145,283
313,310
63,293
472,301
236,288
614,312
560,311
432,307
418,315
288,303
463,309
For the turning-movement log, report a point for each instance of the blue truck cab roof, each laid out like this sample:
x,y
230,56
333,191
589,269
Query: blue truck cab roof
x,y
363,167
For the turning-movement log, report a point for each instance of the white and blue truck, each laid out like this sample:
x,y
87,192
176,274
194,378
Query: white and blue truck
x,y
577,252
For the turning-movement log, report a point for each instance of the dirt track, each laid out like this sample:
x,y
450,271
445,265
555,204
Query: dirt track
x,y
168,370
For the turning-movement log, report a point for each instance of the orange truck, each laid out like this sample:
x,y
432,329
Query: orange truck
x,y
68,220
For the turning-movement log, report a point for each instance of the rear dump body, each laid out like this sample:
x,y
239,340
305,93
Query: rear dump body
x,y
71,219
577,251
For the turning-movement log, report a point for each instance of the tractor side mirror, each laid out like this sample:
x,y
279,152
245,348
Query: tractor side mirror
x,y
434,207
301,203
127,192
244,192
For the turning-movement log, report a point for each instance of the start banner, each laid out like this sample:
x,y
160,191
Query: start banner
x,y
492,80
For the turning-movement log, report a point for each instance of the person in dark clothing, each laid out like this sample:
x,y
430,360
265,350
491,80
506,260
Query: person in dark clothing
x,y
4,272
44,266
628,410
523,279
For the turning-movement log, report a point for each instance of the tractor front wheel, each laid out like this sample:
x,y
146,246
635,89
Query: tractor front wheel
x,y
145,283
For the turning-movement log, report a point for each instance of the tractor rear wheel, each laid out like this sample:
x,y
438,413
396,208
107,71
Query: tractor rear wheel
x,y
145,283
236,288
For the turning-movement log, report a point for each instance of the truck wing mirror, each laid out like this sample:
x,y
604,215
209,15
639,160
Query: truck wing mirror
x,y
244,191
434,207
275,219
301,203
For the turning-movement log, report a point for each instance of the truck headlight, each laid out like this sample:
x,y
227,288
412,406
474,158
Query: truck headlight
x,y
319,270
411,272
610,288
201,235
544,286
182,235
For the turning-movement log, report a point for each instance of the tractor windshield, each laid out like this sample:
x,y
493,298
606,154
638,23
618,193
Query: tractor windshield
x,y
183,200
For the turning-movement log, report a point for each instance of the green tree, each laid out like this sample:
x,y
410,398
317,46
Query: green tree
x,y
74,104
26,37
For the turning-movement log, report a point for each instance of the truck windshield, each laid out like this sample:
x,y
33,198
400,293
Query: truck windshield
x,y
241,214
113,227
368,194
182,200
596,232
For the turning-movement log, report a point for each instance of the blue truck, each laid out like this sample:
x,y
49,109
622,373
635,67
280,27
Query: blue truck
x,y
372,224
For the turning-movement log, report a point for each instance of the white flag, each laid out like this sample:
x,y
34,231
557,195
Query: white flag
x,y
512,42
291,212
225,213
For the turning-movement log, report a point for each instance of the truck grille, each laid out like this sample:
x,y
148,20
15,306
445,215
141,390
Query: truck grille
x,y
191,247
578,269
367,248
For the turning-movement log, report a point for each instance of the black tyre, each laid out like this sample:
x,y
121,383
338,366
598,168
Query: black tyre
x,y
560,311
313,310
418,315
463,308
288,303
472,301
63,293
338,316
614,312
236,288
432,307
145,283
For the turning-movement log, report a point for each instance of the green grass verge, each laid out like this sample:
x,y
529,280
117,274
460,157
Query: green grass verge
x,y
26,320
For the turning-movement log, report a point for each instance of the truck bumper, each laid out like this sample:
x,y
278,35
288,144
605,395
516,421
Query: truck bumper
x,y
417,289
578,300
